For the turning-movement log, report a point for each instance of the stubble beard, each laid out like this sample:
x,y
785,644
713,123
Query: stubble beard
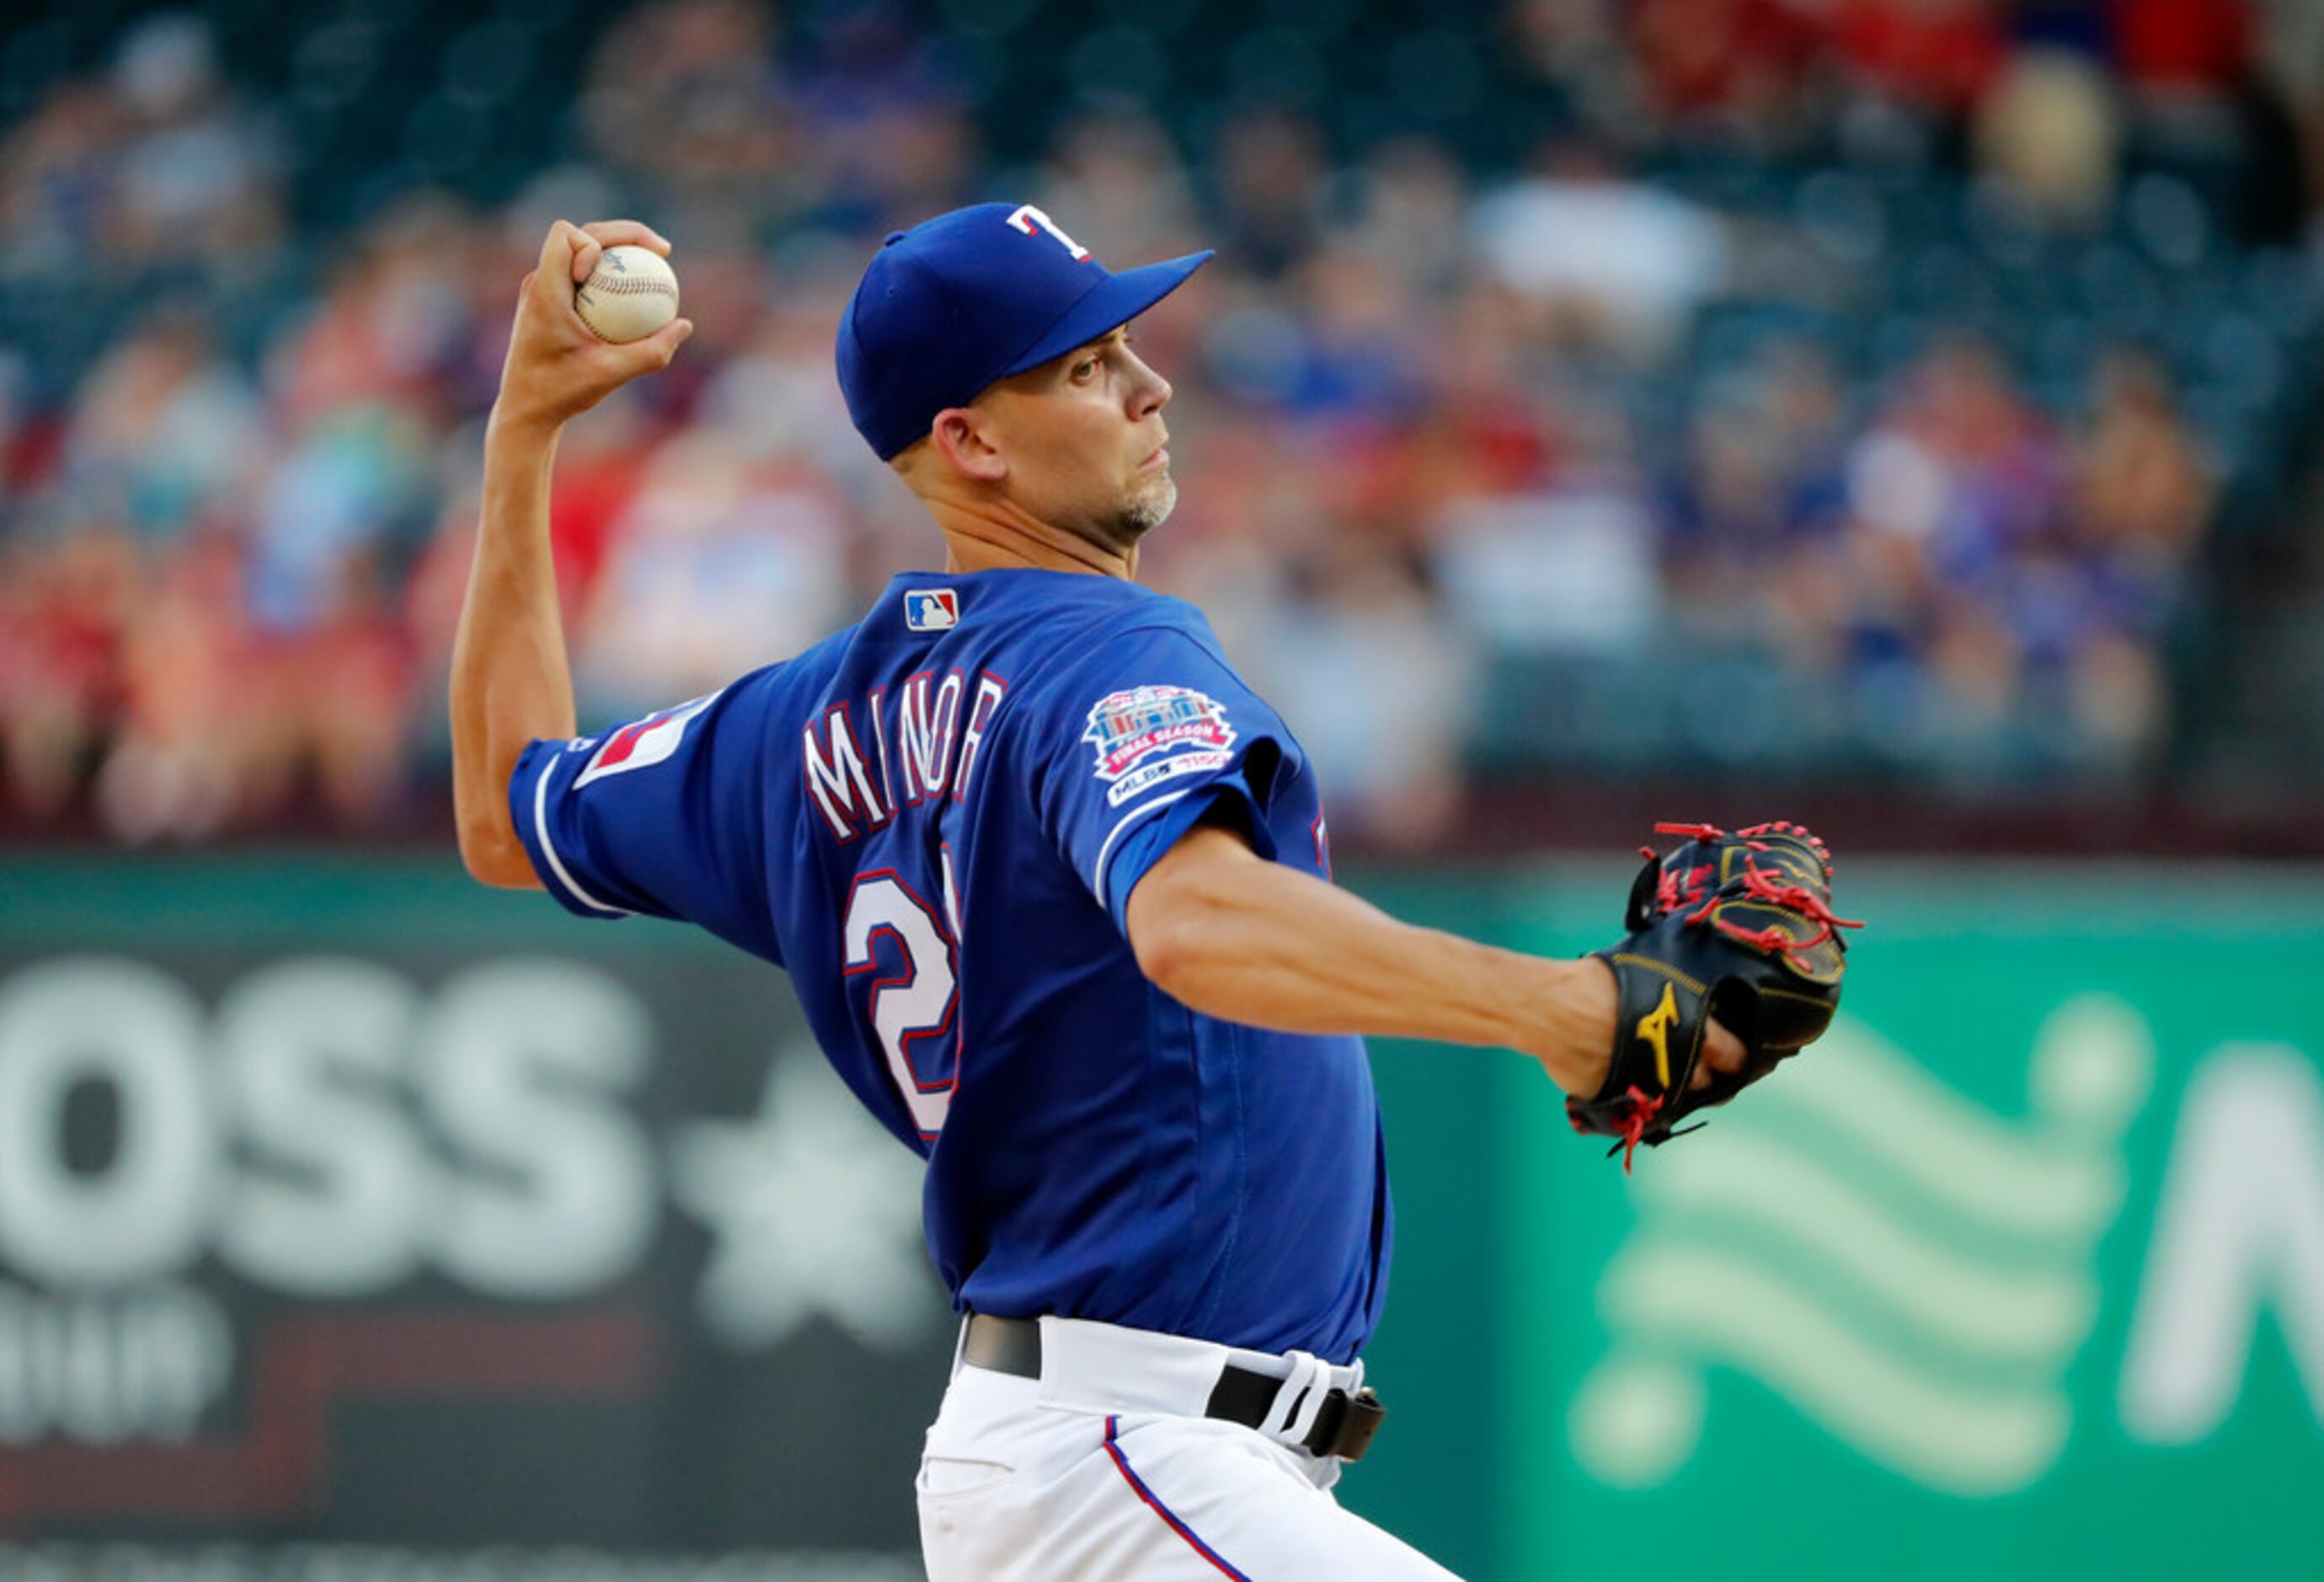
x,y
1147,506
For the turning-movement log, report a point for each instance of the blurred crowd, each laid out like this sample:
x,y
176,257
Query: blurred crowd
x,y
1676,410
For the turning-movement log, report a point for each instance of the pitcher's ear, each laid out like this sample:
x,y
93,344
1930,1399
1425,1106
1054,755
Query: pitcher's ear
x,y
960,436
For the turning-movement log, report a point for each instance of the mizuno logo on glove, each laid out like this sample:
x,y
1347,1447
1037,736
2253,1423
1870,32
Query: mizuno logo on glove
x,y
1655,1027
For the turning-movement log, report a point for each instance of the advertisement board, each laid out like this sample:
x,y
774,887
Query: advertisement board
x,y
357,1222
360,1223
2018,1274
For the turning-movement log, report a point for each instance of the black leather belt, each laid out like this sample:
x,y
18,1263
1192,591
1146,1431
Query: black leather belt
x,y
1344,1426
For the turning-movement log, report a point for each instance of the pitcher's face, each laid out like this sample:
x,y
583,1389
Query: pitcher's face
x,y
1085,440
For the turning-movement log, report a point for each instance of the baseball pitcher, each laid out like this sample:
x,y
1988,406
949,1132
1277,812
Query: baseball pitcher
x,y
1053,886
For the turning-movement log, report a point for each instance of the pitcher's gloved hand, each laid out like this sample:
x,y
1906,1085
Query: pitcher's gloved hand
x,y
1739,927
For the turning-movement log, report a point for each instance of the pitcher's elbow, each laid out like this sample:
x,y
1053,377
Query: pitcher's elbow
x,y
1178,941
493,855
1169,957
1183,917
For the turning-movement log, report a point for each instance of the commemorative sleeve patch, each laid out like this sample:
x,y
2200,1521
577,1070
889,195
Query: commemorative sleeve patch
x,y
1146,736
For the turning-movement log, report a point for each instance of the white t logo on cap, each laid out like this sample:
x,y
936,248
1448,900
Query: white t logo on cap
x,y
1027,216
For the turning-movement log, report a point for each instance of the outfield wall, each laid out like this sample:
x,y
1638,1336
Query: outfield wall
x,y
356,1221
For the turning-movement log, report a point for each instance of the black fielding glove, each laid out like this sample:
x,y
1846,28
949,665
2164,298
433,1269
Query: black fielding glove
x,y
1739,927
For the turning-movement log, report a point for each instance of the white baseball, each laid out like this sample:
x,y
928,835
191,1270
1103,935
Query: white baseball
x,y
631,293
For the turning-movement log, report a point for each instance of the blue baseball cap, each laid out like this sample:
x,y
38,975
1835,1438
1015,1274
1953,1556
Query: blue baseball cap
x,y
971,297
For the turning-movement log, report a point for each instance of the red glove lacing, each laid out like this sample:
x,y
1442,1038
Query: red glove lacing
x,y
1761,885
1644,1107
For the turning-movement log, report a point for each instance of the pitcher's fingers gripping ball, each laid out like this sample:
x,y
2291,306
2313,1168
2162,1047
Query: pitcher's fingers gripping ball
x,y
1739,927
557,365
631,292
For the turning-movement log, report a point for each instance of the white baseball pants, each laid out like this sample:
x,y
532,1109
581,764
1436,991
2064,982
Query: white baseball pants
x,y
1105,1470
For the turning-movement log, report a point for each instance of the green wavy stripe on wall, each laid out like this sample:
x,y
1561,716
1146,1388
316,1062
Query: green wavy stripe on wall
x,y
1698,1303
1958,1302
1942,1148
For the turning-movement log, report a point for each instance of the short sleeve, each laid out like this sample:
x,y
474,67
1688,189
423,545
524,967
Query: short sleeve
x,y
656,817
1141,742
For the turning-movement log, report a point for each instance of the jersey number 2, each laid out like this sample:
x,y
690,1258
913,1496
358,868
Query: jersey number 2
x,y
915,1002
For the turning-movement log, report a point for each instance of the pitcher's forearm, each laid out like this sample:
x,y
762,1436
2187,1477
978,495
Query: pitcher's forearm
x,y
1253,941
511,682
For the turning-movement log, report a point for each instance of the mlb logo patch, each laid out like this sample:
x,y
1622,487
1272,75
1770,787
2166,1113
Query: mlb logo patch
x,y
936,609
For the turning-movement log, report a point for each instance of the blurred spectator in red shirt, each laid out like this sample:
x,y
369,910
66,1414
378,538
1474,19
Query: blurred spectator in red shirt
x,y
2199,46
63,609
191,728
1724,66
1937,55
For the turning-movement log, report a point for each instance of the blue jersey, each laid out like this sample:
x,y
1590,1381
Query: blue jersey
x,y
933,820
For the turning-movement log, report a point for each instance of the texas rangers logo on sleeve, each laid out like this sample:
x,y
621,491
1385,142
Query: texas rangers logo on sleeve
x,y
1148,735
934,609
646,742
